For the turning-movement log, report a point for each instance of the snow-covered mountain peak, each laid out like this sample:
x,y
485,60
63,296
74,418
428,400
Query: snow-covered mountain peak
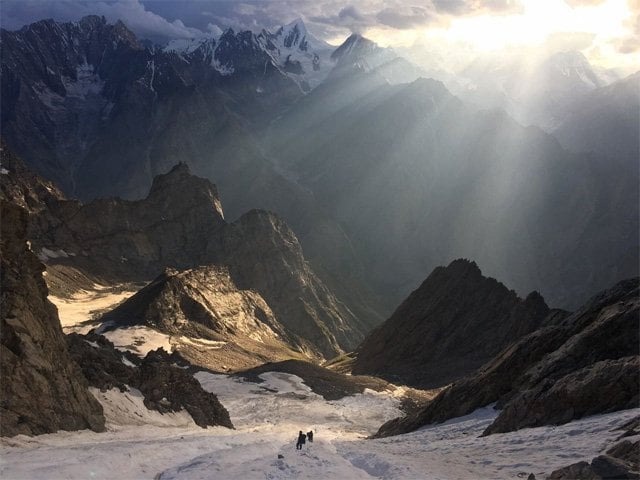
x,y
185,46
295,35
354,47
572,64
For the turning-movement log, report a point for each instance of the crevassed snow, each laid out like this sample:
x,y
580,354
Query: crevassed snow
x,y
267,423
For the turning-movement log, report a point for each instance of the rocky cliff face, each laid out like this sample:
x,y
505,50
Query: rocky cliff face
x,y
180,224
452,324
42,388
575,365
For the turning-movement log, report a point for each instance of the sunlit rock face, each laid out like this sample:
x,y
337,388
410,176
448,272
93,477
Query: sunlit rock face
x,y
42,388
575,365
452,324
213,323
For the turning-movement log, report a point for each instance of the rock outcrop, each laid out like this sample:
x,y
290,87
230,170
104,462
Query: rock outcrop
x,y
574,365
235,328
165,386
456,321
620,462
42,389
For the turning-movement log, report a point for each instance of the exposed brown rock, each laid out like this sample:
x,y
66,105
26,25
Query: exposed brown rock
x,y
456,321
205,303
42,389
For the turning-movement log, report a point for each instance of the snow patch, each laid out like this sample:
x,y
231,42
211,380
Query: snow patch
x,y
78,311
127,409
48,254
202,342
87,83
128,362
139,339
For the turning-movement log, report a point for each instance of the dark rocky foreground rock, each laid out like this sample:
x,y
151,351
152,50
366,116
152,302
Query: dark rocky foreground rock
x,y
166,387
620,462
575,365
42,389
329,384
180,224
451,325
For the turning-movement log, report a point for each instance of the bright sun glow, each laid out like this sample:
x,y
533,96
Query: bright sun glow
x,y
604,25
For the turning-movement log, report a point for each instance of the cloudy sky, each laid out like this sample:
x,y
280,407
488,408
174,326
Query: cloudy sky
x,y
607,31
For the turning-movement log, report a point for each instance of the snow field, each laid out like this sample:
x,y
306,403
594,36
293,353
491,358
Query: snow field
x,y
268,416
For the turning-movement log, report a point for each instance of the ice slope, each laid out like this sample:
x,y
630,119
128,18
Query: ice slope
x,y
268,416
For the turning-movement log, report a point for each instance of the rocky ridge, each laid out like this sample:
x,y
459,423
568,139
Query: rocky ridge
x,y
574,365
451,325
220,326
181,225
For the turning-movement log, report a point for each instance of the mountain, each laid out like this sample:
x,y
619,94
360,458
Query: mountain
x,y
605,121
304,57
180,224
417,178
142,109
371,176
573,366
450,326
43,389
291,49
234,327
75,88
534,89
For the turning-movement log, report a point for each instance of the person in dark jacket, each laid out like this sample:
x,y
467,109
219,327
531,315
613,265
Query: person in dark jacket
x,y
310,436
301,440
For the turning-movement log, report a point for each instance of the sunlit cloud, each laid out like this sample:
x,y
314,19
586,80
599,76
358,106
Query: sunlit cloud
x,y
608,30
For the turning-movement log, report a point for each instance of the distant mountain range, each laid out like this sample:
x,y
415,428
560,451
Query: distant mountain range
x,y
381,174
